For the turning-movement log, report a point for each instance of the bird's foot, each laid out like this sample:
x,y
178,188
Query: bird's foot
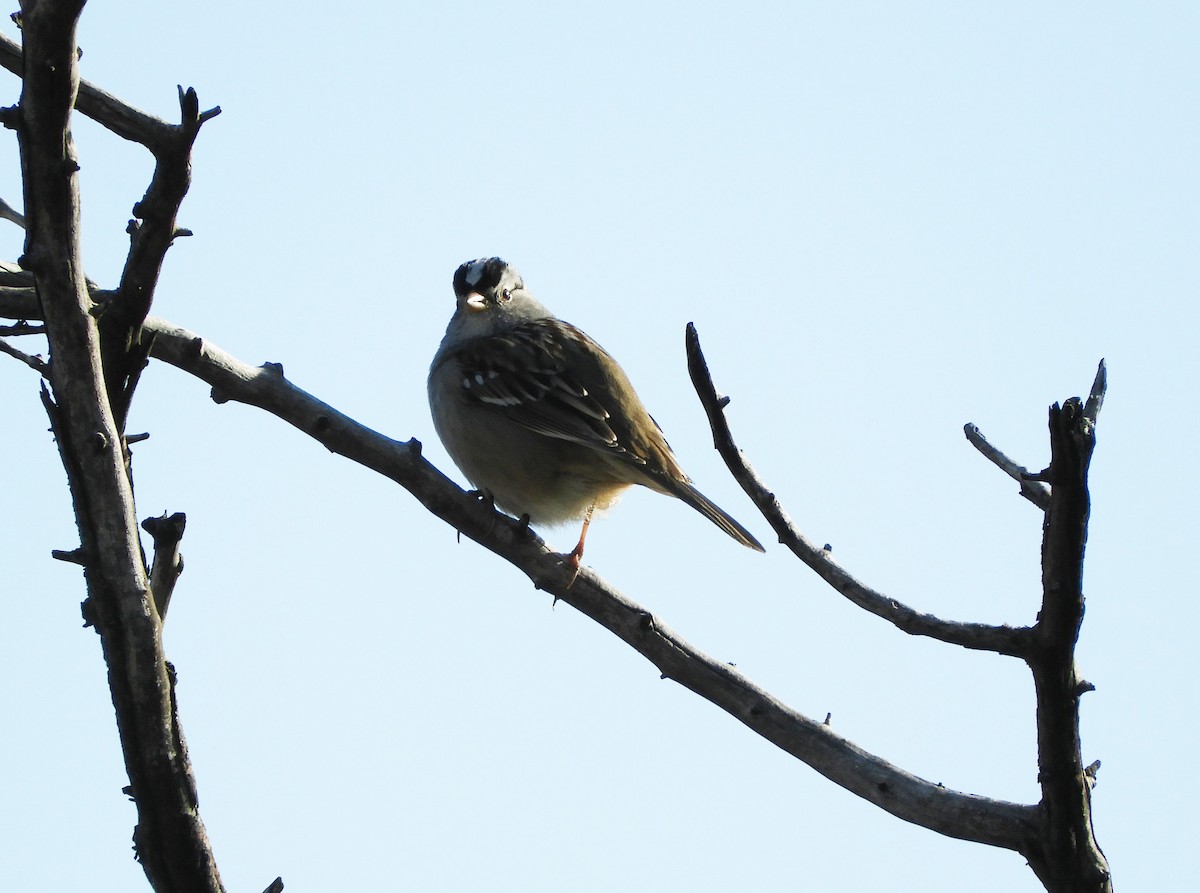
x,y
573,560
484,496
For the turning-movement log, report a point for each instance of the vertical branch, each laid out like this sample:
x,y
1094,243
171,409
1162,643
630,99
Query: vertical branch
x,y
170,840
1068,859
151,233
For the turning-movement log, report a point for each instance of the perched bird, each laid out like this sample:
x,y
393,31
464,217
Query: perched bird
x,y
539,416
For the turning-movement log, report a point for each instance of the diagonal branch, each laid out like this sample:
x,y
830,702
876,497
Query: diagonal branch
x,y
36,363
913,799
1033,490
1033,487
102,107
1014,641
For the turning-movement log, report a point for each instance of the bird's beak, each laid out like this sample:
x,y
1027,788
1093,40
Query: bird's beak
x,y
476,302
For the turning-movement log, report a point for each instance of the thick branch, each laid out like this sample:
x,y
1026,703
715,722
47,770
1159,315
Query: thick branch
x,y
1068,859
169,837
979,636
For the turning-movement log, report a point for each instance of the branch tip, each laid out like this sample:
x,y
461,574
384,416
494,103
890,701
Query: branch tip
x,y
1095,399
1038,494
70,556
166,531
33,361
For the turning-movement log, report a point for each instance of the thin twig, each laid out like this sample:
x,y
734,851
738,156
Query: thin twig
x,y
1008,640
154,230
8,212
105,109
36,363
1095,400
1035,491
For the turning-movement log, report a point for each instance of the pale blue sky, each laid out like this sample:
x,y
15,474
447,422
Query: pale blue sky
x,y
885,219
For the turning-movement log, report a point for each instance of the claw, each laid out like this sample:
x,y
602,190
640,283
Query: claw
x,y
484,496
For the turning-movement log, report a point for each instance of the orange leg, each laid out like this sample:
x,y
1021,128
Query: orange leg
x,y
575,556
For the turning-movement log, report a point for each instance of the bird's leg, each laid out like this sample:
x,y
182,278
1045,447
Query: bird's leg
x,y
575,556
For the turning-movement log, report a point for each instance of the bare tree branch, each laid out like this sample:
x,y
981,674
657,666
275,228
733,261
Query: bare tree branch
x,y
169,837
151,234
1014,826
166,531
105,109
1095,400
1064,853
8,212
913,799
1068,858
22,327
1013,641
93,372
1035,491
36,363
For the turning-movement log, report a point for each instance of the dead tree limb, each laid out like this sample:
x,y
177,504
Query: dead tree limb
x,y
1063,851
1068,859
1013,826
978,636
169,838
916,800
94,368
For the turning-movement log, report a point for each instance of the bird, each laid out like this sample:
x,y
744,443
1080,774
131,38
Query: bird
x,y
540,417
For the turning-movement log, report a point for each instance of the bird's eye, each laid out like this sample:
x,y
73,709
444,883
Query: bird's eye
x,y
506,295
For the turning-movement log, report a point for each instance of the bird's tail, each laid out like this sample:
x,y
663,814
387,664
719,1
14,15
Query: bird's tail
x,y
705,506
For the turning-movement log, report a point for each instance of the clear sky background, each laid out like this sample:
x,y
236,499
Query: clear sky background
x,y
886,220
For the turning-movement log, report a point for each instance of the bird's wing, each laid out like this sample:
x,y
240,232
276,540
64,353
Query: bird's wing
x,y
522,374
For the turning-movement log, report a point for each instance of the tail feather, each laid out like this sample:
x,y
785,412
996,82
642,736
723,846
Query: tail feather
x,y
705,506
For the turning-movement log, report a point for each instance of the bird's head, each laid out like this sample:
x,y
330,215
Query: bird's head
x,y
492,296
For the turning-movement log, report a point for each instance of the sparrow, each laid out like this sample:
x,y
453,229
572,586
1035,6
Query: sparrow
x,y
540,417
